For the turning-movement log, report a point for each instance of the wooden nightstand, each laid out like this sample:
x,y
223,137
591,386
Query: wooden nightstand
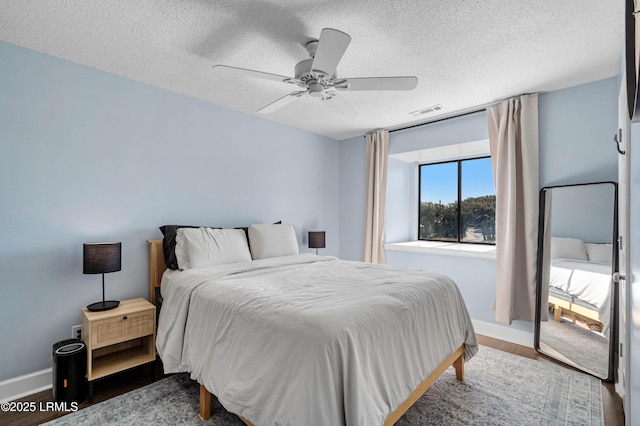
x,y
118,339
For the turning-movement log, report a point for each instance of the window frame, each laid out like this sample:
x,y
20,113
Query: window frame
x,y
458,209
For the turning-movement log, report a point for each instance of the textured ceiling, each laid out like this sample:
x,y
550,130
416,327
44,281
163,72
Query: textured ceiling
x,y
465,53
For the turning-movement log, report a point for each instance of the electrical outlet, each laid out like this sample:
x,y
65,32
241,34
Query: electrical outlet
x,y
76,332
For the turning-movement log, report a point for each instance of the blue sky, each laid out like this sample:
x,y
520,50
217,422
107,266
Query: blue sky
x,y
439,181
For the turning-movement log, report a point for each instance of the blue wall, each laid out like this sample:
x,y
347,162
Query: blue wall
x,y
352,199
577,126
584,212
89,156
576,129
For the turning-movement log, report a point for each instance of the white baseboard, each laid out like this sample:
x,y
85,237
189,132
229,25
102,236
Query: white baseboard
x,y
504,332
22,386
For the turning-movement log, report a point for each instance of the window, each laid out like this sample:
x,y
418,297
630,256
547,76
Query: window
x,y
457,202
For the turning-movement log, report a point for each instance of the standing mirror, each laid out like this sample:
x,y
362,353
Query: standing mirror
x,y
576,315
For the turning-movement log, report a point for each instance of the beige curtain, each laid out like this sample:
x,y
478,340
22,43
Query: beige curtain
x,y
513,135
376,190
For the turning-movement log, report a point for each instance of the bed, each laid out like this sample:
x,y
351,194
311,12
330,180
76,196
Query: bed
x,y
307,339
580,280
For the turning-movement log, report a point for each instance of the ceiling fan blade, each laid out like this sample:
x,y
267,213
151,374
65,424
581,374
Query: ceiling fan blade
x,y
283,101
379,83
331,47
339,105
243,72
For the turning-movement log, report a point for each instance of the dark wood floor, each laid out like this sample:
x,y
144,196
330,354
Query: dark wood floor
x,y
103,389
138,377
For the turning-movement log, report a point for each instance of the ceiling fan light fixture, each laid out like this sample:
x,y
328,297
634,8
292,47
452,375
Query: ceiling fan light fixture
x,y
316,90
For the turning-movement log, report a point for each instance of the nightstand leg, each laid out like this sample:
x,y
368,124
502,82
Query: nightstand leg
x,y
90,392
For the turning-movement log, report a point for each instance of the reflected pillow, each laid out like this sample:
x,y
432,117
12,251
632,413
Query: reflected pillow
x,y
568,248
196,247
600,253
268,241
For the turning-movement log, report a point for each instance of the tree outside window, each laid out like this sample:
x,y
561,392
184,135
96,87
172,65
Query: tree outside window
x,y
457,201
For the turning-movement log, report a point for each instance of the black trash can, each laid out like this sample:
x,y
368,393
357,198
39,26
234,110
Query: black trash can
x,y
69,370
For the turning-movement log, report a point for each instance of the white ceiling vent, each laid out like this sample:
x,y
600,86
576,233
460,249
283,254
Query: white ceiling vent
x,y
427,110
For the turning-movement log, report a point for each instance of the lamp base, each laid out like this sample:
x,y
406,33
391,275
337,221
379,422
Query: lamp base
x,y
103,306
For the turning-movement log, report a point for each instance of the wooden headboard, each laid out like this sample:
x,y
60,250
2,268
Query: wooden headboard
x,y
156,267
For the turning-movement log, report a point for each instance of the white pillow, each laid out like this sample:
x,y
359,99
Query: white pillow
x,y
568,248
271,240
206,246
600,253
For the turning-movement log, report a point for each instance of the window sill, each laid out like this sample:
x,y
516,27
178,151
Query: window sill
x,y
450,249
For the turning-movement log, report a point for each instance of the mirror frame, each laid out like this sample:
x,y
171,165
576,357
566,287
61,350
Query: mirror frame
x,y
613,337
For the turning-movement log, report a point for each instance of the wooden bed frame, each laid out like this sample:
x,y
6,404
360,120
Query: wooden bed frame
x,y
156,269
573,311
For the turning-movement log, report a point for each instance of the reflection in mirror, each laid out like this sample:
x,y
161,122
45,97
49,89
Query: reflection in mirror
x,y
577,255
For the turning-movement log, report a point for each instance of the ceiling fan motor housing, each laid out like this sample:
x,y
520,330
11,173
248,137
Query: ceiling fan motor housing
x,y
303,71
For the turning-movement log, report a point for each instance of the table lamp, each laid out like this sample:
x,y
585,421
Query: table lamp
x,y
316,240
102,258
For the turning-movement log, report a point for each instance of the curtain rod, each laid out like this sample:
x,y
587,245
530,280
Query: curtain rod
x,y
440,119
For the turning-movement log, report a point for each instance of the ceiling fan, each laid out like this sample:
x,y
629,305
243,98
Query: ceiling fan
x,y
317,76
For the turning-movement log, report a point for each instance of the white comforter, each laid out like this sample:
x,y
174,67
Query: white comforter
x,y
588,281
310,340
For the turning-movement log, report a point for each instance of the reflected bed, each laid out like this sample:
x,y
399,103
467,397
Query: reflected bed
x,y
580,280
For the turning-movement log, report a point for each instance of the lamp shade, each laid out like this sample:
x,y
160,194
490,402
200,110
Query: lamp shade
x,y
316,239
101,258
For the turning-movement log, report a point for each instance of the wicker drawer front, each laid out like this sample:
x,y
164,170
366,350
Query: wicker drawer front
x,y
115,330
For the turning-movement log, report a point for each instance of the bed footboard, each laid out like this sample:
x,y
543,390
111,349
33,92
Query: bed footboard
x,y
456,359
573,310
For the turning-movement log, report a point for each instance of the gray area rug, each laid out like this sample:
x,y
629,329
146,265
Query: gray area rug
x,y
584,347
499,389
